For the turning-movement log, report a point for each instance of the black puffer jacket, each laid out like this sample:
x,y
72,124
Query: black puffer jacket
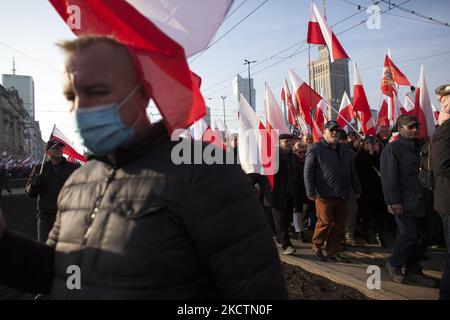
x,y
46,186
330,173
141,227
440,161
399,166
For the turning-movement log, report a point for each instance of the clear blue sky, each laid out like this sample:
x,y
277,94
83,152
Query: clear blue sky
x,y
33,27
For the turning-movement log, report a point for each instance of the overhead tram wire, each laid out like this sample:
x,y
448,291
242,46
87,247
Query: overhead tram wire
x,y
237,8
28,56
399,6
292,55
423,17
228,31
280,52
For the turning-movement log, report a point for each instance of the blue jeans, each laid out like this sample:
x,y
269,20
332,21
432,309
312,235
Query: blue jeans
x,y
444,293
410,245
45,225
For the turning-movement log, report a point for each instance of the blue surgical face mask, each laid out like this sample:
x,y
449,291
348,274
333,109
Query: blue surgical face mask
x,y
101,129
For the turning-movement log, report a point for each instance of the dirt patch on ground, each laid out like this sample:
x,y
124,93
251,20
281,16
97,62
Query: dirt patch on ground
x,y
303,285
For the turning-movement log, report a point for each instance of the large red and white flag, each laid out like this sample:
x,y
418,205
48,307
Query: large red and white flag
x,y
69,149
319,32
321,111
159,35
423,109
346,113
361,105
274,115
305,97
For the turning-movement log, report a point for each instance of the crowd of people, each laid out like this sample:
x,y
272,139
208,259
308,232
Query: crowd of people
x,y
349,190
138,226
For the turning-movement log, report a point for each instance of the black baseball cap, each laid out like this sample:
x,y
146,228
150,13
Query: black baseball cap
x,y
331,124
53,144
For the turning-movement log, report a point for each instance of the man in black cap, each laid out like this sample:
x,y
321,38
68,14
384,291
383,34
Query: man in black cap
x,y
330,176
45,182
406,199
280,199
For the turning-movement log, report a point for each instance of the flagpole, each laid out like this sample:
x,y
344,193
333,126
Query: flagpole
x,y
309,80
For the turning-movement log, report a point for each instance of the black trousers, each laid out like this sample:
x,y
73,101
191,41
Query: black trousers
x,y
282,219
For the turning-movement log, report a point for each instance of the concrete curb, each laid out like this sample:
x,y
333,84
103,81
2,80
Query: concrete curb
x,y
339,277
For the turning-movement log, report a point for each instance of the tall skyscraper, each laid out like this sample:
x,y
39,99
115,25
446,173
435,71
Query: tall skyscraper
x,y
25,87
240,86
333,78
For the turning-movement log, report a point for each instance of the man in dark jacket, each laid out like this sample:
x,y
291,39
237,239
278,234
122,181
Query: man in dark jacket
x,y
280,199
47,184
330,176
137,225
406,199
371,203
440,162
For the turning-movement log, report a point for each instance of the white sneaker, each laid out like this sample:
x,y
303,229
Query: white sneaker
x,y
288,250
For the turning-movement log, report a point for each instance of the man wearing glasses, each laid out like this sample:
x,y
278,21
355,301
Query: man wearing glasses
x,y
406,199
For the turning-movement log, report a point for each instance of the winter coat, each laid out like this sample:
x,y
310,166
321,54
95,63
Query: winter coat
x,y
400,161
440,162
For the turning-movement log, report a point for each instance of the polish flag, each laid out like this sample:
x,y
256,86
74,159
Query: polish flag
x,y
305,97
69,148
274,115
319,32
257,147
361,105
321,111
423,109
346,113
287,99
160,35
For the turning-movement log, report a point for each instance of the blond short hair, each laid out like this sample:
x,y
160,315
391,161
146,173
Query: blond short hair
x,y
71,46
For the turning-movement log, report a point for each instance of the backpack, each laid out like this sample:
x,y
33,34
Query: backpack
x,y
426,177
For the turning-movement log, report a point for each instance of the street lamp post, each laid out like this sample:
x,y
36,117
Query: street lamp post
x,y
247,62
224,118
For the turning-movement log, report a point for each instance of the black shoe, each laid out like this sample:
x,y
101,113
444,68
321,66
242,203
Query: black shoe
x,y
395,273
422,280
338,258
379,241
319,255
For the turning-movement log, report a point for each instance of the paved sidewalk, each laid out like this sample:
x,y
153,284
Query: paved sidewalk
x,y
354,274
